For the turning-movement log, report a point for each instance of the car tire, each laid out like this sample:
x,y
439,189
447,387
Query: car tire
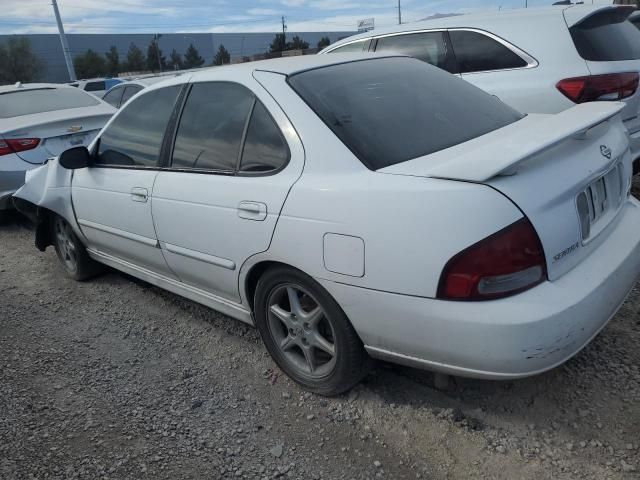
x,y
71,252
307,333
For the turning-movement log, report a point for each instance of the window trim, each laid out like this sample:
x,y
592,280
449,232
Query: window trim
x,y
115,88
529,59
364,42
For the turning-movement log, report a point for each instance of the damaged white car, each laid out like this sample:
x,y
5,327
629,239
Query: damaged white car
x,y
358,206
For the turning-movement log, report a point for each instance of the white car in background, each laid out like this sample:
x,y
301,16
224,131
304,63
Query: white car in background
x,y
119,94
351,206
39,121
538,60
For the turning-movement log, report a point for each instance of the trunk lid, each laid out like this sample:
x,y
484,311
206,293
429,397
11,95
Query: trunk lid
x,y
543,163
57,131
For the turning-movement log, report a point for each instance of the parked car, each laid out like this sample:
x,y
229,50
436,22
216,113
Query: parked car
x,y
38,121
538,60
96,86
119,94
348,210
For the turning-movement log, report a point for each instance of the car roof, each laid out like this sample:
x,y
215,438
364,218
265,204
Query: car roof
x,y
485,20
286,65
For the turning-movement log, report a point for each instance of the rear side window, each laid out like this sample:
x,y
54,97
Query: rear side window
x,y
113,97
27,102
390,110
350,47
211,127
429,47
265,149
476,52
134,138
607,37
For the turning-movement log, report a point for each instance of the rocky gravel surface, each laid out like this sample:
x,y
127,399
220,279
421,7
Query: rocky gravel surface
x,y
116,379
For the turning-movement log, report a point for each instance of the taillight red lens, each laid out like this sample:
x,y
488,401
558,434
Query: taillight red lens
x,y
15,145
505,263
614,86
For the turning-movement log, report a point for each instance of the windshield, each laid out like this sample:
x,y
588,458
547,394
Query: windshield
x,y
27,102
391,110
607,36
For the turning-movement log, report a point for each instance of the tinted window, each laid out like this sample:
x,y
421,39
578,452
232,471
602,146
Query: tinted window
x,y
129,92
351,47
135,136
476,52
94,86
428,47
27,102
607,36
395,109
265,148
112,97
211,126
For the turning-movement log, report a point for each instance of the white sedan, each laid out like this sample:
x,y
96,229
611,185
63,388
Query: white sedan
x,y
39,121
358,206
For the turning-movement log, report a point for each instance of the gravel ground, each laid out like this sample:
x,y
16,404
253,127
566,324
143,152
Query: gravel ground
x,y
114,378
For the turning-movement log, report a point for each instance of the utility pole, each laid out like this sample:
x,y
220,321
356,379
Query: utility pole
x,y
399,14
284,35
65,46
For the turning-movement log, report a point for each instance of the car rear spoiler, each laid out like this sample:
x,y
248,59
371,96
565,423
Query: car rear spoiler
x,y
503,153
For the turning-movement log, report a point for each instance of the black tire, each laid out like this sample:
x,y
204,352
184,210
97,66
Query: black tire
x,y
71,252
349,362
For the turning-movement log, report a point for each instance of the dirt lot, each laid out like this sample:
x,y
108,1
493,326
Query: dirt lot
x,y
114,378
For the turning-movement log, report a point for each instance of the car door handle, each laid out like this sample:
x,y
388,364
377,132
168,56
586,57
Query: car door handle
x,y
252,210
139,194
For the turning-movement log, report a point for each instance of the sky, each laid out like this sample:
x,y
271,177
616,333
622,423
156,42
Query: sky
x,y
149,16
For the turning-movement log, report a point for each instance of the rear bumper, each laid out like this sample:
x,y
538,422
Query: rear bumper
x,y
514,337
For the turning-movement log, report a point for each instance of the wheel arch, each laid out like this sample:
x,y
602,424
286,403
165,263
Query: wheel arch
x,y
253,275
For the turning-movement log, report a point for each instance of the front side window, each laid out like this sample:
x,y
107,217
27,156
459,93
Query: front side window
x,y
391,110
476,52
134,138
265,149
211,127
112,97
429,47
350,47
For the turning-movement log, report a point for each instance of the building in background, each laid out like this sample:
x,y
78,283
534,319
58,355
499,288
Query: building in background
x,y
240,45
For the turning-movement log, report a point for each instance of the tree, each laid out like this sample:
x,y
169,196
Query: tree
x,y
18,62
155,59
323,43
90,64
136,61
175,61
113,61
297,44
192,58
222,56
278,44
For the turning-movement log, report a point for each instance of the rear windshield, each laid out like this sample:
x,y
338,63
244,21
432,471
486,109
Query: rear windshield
x,y
27,102
392,110
607,37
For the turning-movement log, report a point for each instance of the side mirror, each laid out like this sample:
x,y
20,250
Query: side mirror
x,y
76,157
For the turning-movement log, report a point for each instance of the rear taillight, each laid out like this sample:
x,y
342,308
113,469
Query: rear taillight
x,y
614,86
505,263
15,145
